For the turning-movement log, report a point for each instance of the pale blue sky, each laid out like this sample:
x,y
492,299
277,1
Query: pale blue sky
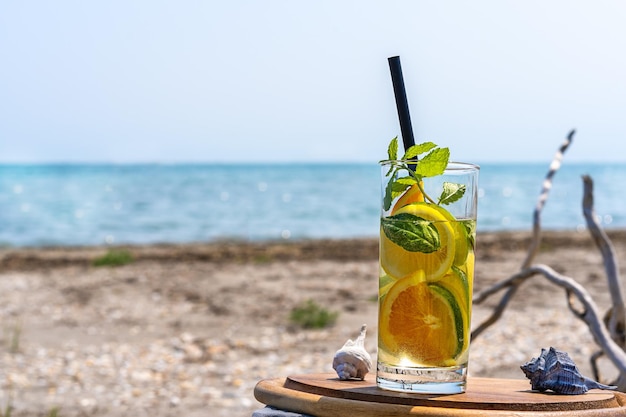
x,y
173,81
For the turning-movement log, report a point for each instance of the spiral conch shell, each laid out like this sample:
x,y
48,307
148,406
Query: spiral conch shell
x,y
556,371
352,360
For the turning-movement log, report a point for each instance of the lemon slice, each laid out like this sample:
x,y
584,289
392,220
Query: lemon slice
x,y
399,262
469,269
461,240
385,282
422,323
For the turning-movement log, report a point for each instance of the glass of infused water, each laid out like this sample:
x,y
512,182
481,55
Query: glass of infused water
x,y
427,239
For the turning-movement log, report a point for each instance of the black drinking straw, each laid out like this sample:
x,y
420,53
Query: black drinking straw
x,y
401,102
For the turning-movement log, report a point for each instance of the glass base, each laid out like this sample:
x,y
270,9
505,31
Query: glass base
x,y
449,380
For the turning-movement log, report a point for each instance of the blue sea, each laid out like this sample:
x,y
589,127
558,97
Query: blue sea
x,y
92,204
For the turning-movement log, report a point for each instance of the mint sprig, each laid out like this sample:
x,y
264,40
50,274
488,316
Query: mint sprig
x,y
396,188
451,192
432,164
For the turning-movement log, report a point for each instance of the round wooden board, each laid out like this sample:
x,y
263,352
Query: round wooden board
x,y
324,395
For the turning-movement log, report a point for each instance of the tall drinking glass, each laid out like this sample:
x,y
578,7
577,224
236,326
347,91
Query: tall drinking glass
x,y
427,236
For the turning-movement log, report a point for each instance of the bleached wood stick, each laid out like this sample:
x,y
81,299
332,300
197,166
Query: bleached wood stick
x,y
536,238
589,314
610,336
543,198
497,311
617,316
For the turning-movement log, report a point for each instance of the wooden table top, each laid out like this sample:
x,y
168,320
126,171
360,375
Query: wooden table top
x,y
324,395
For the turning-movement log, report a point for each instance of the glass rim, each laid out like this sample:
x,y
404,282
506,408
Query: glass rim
x,y
452,165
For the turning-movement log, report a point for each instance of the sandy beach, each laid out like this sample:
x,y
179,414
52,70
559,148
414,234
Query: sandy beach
x,y
190,329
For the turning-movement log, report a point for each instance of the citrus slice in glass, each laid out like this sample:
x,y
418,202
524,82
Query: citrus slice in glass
x,y
413,194
400,262
422,323
385,282
461,242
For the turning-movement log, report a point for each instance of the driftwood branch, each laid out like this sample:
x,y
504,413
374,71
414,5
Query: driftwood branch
x,y
590,313
543,198
610,333
616,317
536,238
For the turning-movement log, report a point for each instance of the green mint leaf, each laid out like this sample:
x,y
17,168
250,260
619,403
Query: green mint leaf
x,y
434,163
412,233
451,192
392,150
401,184
416,150
387,199
395,188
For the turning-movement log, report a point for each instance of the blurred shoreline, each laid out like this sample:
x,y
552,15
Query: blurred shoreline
x,y
28,258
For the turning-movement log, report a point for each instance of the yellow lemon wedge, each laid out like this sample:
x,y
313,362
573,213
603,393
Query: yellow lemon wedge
x,y
461,241
385,282
399,262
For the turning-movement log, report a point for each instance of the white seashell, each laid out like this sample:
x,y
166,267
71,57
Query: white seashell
x,y
352,360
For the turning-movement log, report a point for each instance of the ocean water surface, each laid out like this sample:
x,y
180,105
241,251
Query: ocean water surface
x,y
73,204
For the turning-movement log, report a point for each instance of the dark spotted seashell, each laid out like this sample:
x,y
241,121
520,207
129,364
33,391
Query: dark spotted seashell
x,y
555,371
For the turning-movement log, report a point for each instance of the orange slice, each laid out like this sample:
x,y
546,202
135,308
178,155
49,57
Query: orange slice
x,y
413,194
422,323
